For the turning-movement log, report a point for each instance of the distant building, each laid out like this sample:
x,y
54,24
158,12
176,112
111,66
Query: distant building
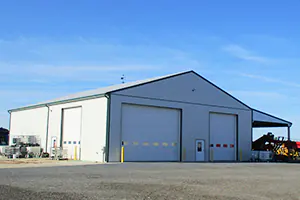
x,y
4,133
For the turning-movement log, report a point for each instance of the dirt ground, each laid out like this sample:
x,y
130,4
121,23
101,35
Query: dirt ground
x,y
38,162
25,161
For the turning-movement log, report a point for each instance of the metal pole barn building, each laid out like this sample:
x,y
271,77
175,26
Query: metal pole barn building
x,y
180,117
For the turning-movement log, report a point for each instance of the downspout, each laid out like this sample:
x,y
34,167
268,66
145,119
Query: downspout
x,y
47,127
107,127
9,126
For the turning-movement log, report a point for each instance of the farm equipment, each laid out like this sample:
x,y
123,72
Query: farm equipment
x,y
281,149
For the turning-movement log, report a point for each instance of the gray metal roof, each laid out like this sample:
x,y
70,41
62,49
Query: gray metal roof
x,y
262,119
105,90
98,92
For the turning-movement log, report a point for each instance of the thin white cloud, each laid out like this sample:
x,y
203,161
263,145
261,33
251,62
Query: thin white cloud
x,y
44,59
271,80
57,73
244,54
70,69
12,96
34,68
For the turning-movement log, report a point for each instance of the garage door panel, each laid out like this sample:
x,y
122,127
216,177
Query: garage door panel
x,y
149,133
150,153
71,133
223,131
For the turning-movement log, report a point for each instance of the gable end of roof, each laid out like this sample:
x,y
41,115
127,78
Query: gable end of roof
x,y
214,85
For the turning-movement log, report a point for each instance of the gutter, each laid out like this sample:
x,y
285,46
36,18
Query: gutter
x,y
58,102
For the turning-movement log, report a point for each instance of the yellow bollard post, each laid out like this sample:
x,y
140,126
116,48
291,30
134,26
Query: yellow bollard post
x,y
75,153
184,154
211,155
122,154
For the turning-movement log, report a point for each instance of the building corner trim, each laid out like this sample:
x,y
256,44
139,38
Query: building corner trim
x,y
9,126
108,96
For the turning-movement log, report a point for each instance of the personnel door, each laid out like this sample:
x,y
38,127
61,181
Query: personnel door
x,y
200,150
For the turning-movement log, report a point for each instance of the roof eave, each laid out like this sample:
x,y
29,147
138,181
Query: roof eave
x,y
92,96
287,122
58,102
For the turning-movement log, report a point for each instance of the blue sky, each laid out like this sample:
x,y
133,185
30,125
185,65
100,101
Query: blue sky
x,y
52,48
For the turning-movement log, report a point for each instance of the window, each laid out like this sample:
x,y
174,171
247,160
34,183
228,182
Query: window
x,y
199,147
70,142
74,142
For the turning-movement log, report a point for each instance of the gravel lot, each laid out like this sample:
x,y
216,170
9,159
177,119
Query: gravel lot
x,y
153,181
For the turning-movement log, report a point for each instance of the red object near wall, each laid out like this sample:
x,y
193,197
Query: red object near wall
x,y
298,145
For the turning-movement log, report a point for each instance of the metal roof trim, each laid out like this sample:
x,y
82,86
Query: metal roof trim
x,y
236,99
100,94
57,102
272,116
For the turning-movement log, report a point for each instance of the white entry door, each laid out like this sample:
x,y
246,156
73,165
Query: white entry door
x,y
200,150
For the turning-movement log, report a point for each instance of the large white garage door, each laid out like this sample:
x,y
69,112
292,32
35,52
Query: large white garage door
x,y
72,132
150,133
223,131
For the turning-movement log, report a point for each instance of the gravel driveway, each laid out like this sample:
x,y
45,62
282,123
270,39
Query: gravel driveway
x,y
153,181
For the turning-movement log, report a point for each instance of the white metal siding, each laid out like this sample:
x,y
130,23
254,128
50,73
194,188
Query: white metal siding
x,y
29,122
195,125
71,132
150,133
93,128
188,88
223,131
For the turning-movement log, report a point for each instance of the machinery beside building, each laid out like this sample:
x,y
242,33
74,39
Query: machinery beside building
x,y
24,147
271,148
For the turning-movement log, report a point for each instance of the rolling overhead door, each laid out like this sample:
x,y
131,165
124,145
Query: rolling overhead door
x,y
150,133
223,136
71,132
